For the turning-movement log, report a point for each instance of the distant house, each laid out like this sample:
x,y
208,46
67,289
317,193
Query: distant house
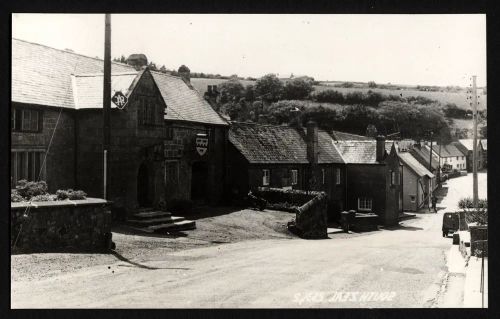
x,y
422,154
466,147
373,178
285,157
450,157
418,183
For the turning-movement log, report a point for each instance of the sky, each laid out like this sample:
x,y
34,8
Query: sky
x,y
398,49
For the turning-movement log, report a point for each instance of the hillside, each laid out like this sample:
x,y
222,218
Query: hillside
x,y
459,98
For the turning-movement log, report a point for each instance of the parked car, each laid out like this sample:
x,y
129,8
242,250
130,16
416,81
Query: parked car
x,y
450,223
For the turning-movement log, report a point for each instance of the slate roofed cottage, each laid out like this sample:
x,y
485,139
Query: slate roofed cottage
x,y
373,178
284,157
153,156
466,147
418,183
450,157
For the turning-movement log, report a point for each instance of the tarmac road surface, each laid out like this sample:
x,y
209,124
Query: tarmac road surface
x,y
400,267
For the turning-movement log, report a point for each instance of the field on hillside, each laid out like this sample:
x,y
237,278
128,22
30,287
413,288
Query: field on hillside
x,y
460,98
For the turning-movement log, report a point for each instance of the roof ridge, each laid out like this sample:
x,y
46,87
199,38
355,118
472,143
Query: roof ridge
x,y
81,75
69,52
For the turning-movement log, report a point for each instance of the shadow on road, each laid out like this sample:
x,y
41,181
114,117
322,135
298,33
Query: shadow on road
x,y
401,227
138,265
129,230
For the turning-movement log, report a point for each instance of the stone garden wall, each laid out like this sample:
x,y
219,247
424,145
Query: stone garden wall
x,y
68,225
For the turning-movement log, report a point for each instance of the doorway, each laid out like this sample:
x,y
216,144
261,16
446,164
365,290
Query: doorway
x,y
143,186
199,178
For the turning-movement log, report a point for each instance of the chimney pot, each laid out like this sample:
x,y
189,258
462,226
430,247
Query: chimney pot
x,y
137,60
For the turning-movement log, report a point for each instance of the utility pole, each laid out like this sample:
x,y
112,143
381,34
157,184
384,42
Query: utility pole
x,y
474,146
430,153
106,107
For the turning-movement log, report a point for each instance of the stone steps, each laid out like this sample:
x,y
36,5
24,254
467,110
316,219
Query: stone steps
x,y
176,226
150,220
155,221
151,214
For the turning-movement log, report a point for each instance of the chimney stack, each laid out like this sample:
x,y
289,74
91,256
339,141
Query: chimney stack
x,y
380,148
137,60
312,142
185,74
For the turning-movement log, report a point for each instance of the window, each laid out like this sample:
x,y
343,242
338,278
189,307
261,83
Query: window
x,y
26,120
413,198
169,133
295,174
148,111
337,176
457,158
172,171
364,203
393,178
266,177
26,164
323,176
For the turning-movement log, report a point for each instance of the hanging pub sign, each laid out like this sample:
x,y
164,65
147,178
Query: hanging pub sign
x,y
201,143
119,99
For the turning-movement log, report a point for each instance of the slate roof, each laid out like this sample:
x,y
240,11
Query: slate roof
x,y
462,148
422,155
414,164
342,136
271,144
87,89
184,103
448,150
46,76
468,143
358,152
42,75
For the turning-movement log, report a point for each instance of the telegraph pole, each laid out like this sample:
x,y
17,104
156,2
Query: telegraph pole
x,y
106,107
430,153
474,146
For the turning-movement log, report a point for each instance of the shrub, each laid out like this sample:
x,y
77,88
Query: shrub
x,y
44,198
30,189
70,194
480,215
15,197
467,202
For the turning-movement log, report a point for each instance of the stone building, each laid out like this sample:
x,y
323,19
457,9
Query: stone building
x,y
167,143
373,178
466,147
418,183
285,157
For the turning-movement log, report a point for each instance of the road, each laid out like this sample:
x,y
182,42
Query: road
x,y
404,266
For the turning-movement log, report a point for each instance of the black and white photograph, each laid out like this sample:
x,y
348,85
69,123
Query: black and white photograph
x,y
206,161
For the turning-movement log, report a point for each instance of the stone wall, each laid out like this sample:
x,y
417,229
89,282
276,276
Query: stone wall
x,y
79,225
311,218
477,235
310,210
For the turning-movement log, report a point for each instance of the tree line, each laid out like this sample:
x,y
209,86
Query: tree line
x,y
274,101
